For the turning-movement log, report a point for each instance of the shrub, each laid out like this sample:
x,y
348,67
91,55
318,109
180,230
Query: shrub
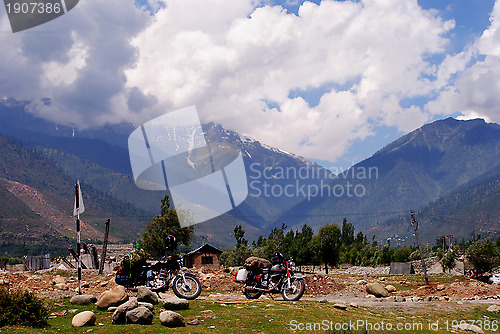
x,y
448,260
22,308
401,254
483,256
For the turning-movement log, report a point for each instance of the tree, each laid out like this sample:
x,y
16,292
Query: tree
x,y
448,260
483,255
401,254
165,224
272,244
347,237
238,255
328,240
302,241
239,235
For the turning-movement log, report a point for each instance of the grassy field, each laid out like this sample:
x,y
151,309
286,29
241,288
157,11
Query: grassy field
x,y
269,316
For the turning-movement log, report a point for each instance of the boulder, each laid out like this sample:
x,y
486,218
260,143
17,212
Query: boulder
x,y
59,280
390,288
193,322
468,328
147,305
146,295
340,306
83,299
377,290
440,287
361,282
431,299
119,315
174,303
61,286
399,299
140,315
172,319
114,297
86,318
494,309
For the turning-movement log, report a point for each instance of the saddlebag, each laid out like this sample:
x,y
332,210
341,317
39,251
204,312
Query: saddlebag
x,y
241,276
123,277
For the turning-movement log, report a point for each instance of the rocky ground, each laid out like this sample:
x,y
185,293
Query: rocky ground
x,y
343,287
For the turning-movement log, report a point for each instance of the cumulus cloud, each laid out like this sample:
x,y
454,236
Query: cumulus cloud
x,y
240,68
243,65
77,61
474,90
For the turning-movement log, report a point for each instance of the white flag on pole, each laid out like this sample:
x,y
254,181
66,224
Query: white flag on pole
x,y
79,207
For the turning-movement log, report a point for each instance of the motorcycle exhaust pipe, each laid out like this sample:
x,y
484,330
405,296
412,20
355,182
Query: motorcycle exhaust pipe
x,y
258,289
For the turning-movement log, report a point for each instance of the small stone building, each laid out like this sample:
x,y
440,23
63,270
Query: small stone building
x,y
401,268
206,256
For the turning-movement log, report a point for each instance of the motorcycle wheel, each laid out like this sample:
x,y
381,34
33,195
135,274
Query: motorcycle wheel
x,y
189,289
157,282
252,294
295,290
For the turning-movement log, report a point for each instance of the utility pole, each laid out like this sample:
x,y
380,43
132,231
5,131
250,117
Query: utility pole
x,y
415,227
449,241
78,233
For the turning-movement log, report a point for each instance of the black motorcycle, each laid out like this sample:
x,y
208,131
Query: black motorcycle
x,y
279,278
159,276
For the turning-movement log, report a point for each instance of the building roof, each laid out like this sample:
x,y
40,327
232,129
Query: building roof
x,y
205,249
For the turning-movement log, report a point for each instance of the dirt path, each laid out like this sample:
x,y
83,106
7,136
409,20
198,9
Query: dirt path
x,y
219,285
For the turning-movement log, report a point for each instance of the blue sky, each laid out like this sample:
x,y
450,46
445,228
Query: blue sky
x,y
333,81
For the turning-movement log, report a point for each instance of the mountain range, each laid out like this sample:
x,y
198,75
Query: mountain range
x,y
432,171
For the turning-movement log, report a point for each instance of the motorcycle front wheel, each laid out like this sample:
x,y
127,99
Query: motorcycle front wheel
x,y
187,288
295,290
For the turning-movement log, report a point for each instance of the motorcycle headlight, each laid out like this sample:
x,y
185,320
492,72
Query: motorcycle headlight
x,y
291,265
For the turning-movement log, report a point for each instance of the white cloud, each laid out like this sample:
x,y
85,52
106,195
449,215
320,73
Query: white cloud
x,y
474,92
110,61
229,67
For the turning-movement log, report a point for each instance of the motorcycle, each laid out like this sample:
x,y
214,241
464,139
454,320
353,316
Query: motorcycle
x,y
279,278
160,276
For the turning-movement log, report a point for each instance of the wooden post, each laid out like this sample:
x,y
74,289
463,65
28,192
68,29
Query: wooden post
x,y
104,247
95,259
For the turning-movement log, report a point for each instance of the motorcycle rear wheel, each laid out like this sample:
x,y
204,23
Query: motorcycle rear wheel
x,y
295,290
189,289
252,294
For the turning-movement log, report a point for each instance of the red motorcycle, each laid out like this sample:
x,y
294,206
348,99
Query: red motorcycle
x,y
261,276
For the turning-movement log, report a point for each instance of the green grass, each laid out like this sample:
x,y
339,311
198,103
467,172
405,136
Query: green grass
x,y
267,316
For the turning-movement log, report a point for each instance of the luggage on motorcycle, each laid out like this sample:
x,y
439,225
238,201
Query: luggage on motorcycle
x,y
133,262
123,276
241,276
256,263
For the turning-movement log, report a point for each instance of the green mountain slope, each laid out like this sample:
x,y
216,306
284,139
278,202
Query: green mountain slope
x,y
472,209
37,193
413,171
